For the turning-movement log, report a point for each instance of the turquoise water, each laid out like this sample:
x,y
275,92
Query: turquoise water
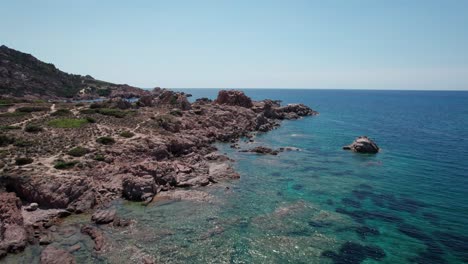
x,y
407,204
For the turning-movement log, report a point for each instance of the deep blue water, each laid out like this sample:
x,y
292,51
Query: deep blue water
x,y
420,178
406,204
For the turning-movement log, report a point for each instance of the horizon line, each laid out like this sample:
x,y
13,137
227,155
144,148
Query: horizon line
x,y
336,89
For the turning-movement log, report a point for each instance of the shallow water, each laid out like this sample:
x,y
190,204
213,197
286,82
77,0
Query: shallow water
x,y
406,204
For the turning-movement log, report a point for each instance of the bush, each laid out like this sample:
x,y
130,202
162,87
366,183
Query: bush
x,y
127,134
30,128
99,157
78,151
112,112
23,161
79,104
176,112
91,120
61,112
21,143
9,127
63,165
6,140
105,140
68,123
103,92
88,111
30,109
13,114
96,105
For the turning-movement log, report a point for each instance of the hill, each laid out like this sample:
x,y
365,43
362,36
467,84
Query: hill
x,y
23,75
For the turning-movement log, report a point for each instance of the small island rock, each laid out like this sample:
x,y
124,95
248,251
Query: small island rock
x,y
363,144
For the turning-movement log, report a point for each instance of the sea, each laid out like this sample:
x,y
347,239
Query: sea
x,y
321,204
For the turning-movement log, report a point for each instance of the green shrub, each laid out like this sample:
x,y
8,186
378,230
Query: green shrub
x,y
63,165
99,157
127,134
79,104
103,92
13,114
9,127
176,112
68,123
61,112
23,161
173,100
7,101
21,143
96,105
31,128
6,140
105,140
112,112
78,151
30,109
88,111
91,120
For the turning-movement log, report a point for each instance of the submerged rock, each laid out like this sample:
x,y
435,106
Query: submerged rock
x,y
53,255
363,144
96,235
262,150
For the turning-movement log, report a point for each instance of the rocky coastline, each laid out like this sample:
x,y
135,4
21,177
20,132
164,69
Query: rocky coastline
x,y
70,158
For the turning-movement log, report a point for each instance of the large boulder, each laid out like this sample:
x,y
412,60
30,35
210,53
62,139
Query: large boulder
x,y
103,216
53,255
363,144
233,97
136,188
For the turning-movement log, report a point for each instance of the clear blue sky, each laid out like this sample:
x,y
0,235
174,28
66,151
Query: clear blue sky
x,y
397,44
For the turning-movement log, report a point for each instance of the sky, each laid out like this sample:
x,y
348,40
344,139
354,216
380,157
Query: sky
x,y
347,44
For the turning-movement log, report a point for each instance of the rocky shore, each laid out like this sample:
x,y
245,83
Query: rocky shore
x,y
59,159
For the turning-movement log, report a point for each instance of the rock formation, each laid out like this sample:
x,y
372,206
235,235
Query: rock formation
x,y
13,237
363,144
234,98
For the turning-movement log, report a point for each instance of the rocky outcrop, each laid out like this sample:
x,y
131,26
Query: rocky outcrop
x,y
13,236
234,98
363,144
53,255
72,193
174,100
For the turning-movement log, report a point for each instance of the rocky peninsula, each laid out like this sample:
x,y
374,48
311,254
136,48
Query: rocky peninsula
x,y
60,158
